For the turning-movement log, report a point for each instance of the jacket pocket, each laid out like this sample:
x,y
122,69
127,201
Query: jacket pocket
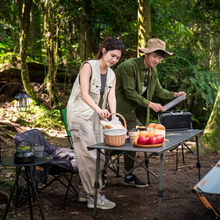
x,y
75,132
95,87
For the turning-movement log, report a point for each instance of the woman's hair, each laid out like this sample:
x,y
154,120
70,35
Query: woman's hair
x,y
159,53
110,44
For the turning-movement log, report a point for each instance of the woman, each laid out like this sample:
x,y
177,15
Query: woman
x,y
94,87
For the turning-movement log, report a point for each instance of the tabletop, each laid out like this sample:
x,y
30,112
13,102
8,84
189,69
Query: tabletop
x,y
9,161
175,138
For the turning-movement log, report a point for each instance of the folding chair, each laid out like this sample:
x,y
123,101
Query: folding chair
x,y
209,184
63,161
63,113
64,116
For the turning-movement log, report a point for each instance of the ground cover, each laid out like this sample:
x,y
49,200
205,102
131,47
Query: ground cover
x,y
132,203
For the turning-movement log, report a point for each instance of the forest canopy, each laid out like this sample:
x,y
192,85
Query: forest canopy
x,y
59,35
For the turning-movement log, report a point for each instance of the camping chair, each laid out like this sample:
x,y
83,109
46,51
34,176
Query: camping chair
x,y
63,113
209,184
63,161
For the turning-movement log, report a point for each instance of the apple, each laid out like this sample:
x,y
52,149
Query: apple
x,y
160,138
142,140
153,140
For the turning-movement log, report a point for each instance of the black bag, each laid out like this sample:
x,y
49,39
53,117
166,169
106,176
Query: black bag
x,y
41,172
175,120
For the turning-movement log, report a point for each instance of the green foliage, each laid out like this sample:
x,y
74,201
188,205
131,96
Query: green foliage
x,y
200,85
18,217
5,185
8,58
40,116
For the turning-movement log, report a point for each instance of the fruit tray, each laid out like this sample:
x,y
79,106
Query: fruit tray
x,y
148,146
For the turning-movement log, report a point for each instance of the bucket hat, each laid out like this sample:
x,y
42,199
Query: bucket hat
x,y
155,44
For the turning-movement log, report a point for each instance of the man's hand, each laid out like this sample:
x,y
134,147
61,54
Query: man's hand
x,y
177,94
156,106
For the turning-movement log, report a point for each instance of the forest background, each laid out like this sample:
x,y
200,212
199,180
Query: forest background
x,y
44,42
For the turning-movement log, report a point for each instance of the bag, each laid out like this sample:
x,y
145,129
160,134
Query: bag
x,y
175,120
41,172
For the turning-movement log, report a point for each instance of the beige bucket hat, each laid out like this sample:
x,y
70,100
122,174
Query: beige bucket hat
x,y
155,44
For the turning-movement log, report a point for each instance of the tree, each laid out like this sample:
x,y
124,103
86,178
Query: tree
x,y
49,33
24,39
144,23
144,29
85,36
36,33
209,142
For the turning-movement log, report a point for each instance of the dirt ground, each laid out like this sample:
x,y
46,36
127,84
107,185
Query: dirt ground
x,y
132,203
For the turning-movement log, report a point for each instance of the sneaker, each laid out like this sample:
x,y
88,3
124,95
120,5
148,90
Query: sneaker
x,y
102,203
104,180
82,197
134,181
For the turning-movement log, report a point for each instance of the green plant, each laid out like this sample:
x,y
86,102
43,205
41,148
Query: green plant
x,y
201,85
18,217
40,116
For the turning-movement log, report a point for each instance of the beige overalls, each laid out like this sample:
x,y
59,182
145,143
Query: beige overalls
x,y
84,125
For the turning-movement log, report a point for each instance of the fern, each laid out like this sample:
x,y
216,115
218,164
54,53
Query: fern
x,y
201,85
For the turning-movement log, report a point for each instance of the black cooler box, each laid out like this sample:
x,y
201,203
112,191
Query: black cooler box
x,y
180,120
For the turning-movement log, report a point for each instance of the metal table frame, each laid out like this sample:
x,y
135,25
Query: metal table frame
x,y
10,162
176,138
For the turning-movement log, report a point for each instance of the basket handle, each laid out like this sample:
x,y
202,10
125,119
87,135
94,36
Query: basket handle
x,y
125,125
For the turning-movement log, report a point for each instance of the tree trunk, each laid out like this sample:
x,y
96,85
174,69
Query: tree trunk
x,y
49,35
144,29
36,33
144,23
85,31
209,142
24,38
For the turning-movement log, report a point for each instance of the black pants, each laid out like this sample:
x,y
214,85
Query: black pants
x,y
129,163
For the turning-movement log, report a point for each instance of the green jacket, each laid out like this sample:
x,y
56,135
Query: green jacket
x,y
130,77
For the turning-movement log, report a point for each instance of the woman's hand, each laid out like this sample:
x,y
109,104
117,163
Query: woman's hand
x,y
177,94
103,113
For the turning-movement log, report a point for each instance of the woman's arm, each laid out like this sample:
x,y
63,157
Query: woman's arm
x,y
85,75
111,97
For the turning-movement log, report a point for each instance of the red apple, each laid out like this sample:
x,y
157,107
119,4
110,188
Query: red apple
x,y
142,140
160,138
153,140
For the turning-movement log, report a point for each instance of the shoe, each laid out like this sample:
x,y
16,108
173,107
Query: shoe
x,y
104,180
134,181
102,203
83,197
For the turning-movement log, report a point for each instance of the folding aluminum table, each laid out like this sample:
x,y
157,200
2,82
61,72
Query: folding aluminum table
x,y
176,138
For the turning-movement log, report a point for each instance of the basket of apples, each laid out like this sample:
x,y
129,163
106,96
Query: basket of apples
x,y
152,137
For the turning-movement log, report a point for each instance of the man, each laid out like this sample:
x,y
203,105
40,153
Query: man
x,y
136,84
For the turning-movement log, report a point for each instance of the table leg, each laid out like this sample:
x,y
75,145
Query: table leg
x,y
38,200
177,157
146,163
198,159
29,195
13,189
96,185
160,191
17,203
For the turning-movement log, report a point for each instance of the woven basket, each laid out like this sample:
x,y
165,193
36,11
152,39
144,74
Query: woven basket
x,y
119,140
